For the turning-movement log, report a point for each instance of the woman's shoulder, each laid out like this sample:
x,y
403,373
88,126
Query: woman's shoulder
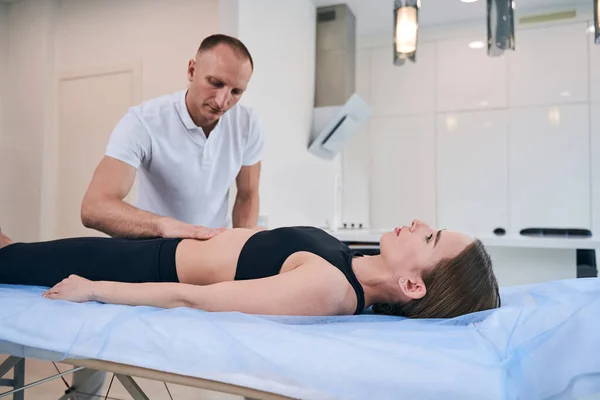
x,y
321,281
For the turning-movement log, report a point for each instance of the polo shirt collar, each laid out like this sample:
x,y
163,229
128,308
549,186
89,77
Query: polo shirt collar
x,y
186,118
183,111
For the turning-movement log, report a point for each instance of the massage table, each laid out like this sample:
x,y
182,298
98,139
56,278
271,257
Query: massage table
x,y
543,343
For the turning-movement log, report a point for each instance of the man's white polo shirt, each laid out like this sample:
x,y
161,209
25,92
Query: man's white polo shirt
x,y
181,173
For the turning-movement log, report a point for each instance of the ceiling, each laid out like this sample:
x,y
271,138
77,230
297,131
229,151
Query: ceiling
x,y
376,16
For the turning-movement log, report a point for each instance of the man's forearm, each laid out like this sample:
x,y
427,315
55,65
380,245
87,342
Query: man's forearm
x,y
119,219
245,211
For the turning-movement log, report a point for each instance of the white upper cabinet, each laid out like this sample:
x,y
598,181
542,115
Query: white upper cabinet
x,y
596,168
594,68
467,79
402,171
403,90
549,66
549,167
472,172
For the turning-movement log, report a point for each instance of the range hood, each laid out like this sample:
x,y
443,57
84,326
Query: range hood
x,y
339,111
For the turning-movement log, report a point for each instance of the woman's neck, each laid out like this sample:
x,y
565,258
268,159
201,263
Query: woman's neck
x,y
377,281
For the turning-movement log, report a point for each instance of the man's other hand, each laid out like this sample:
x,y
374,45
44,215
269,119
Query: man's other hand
x,y
172,228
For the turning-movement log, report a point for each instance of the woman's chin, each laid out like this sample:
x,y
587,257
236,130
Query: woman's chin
x,y
387,237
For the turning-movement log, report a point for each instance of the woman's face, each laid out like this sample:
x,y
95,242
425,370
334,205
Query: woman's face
x,y
412,250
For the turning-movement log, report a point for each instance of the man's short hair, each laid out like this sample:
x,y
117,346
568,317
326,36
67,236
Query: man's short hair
x,y
213,41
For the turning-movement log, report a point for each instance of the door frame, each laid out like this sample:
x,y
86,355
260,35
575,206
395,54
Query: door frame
x,y
50,165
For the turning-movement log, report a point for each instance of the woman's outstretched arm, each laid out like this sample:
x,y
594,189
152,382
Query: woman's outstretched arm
x,y
312,289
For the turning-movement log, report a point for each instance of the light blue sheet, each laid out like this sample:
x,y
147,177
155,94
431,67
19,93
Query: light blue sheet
x,y
544,343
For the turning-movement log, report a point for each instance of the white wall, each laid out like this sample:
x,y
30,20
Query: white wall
x,y
4,178
452,136
29,66
229,17
161,35
3,65
295,185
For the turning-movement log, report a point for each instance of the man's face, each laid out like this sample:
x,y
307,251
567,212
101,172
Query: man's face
x,y
218,78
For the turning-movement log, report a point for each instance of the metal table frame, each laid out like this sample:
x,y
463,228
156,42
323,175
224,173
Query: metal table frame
x,y
124,373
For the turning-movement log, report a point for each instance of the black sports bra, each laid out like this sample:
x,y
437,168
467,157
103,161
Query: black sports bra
x,y
266,251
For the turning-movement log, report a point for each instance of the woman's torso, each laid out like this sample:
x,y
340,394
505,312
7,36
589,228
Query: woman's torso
x,y
246,254
211,261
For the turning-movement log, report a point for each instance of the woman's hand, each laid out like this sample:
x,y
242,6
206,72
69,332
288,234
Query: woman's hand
x,y
74,288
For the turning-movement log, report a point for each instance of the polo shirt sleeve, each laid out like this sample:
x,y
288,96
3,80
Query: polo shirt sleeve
x,y
256,141
129,141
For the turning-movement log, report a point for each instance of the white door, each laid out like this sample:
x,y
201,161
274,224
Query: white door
x,y
89,108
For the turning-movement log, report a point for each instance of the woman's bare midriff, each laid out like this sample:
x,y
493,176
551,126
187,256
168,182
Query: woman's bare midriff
x,y
215,260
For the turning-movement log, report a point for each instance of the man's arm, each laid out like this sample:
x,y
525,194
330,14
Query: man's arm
x,y
104,209
246,206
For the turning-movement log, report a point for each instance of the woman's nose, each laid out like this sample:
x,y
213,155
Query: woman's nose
x,y
416,224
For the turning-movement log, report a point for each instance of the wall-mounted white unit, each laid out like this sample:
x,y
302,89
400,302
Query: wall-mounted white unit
x,y
335,125
339,111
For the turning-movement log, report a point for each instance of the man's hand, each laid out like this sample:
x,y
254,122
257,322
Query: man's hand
x,y
172,228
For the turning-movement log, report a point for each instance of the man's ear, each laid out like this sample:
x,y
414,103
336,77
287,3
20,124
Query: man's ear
x,y
413,288
191,69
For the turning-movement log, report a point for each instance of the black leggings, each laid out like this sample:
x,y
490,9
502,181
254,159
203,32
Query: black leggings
x,y
98,259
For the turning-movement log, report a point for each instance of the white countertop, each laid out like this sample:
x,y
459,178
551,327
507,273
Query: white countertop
x,y
548,242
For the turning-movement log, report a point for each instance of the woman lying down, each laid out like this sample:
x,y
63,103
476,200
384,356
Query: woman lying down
x,y
420,273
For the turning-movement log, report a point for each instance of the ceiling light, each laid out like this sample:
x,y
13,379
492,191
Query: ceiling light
x,y
468,1
406,28
500,26
476,45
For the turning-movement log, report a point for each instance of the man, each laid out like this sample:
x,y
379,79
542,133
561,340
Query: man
x,y
189,148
